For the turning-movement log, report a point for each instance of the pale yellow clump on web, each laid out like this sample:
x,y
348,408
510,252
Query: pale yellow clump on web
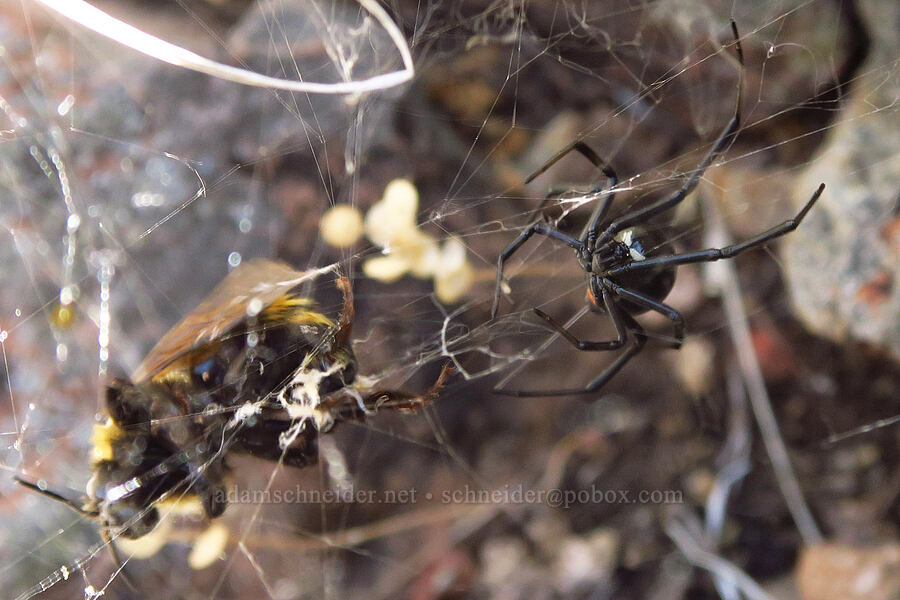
x,y
341,226
391,224
456,274
394,214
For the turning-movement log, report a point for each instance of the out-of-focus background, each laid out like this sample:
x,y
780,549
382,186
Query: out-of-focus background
x,y
129,188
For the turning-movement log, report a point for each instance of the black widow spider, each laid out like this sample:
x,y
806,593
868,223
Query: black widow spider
x,y
631,268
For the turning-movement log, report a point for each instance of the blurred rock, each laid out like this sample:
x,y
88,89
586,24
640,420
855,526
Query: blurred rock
x,y
694,365
449,577
502,558
835,572
586,562
843,263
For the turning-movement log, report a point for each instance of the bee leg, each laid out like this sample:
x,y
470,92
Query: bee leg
x,y
393,399
360,402
345,326
214,500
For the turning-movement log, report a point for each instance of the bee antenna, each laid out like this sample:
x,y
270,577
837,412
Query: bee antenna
x,y
57,496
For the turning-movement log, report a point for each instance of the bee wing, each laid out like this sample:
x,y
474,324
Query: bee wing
x,y
249,288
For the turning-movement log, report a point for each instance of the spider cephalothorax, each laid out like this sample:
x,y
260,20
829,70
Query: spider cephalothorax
x,y
629,266
634,244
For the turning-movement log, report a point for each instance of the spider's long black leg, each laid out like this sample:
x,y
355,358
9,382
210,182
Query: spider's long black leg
x,y
661,206
651,304
713,254
638,338
583,149
541,228
637,345
539,213
600,211
599,215
616,315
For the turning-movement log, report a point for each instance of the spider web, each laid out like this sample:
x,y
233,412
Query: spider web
x,y
131,187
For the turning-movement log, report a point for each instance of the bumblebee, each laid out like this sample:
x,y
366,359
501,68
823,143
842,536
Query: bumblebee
x,y
254,369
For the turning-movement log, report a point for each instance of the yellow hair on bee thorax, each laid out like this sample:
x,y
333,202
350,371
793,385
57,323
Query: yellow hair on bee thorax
x,y
295,309
102,440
